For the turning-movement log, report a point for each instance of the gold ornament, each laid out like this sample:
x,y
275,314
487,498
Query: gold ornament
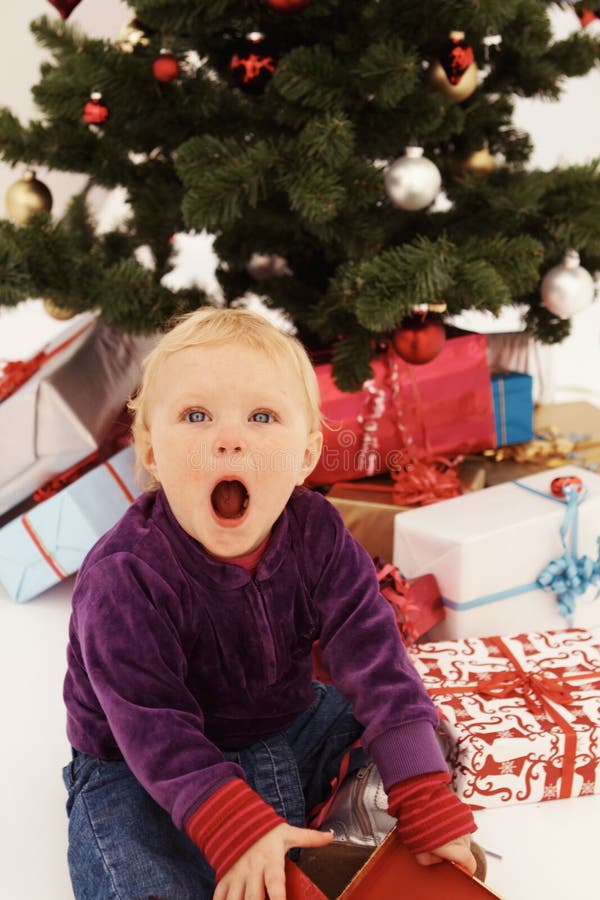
x,y
132,33
468,80
480,163
26,197
58,312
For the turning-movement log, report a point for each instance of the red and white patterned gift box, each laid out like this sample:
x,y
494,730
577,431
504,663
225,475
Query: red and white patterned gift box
x,y
520,715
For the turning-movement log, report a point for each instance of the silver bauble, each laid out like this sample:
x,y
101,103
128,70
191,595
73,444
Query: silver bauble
x,y
567,288
412,182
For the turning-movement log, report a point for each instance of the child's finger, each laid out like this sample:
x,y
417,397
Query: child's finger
x,y
308,837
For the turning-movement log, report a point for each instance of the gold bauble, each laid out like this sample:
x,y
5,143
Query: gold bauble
x,y
26,197
438,80
58,312
479,164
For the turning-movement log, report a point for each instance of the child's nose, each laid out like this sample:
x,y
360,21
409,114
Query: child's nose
x,y
229,440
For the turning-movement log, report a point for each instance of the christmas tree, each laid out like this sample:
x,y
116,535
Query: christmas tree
x,y
311,137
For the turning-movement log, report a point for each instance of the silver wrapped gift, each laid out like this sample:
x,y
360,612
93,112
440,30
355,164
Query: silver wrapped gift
x,y
68,407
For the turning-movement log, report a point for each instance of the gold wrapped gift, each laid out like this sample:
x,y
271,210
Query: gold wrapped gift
x,y
368,512
564,433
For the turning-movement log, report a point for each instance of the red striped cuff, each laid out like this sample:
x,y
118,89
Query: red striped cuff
x,y
229,822
429,814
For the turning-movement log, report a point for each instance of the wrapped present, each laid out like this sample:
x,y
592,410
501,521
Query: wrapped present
x,y
417,603
49,543
563,433
513,407
60,405
443,407
368,506
520,715
514,556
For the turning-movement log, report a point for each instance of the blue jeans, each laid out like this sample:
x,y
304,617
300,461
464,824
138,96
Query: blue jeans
x,y
123,846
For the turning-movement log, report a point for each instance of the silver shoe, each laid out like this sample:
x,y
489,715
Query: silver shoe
x,y
358,813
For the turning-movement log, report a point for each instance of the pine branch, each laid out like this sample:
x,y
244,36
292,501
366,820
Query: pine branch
x,y
222,178
351,360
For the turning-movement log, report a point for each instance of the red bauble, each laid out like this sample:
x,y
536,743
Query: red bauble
x,y
253,64
455,57
419,338
166,67
65,7
95,112
558,485
587,16
288,6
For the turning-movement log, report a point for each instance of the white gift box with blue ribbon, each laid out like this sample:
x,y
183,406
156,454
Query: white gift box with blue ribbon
x,y
512,557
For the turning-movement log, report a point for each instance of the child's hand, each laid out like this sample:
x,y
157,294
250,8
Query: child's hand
x,y
457,851
259,872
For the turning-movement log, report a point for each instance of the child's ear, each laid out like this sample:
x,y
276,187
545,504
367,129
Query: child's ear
x,y
312,453
146,453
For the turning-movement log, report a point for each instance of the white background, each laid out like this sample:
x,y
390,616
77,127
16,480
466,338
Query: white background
x,y
548,850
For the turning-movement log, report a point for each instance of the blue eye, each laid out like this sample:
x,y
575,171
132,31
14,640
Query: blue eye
x,y
196,415
262,417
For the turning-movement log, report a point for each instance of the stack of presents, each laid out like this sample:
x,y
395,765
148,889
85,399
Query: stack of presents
x,y
481,509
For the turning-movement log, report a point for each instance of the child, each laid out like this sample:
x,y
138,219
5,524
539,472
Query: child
x,y
200,741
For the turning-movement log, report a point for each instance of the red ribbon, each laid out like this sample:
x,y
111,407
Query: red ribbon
x,y
16,372
420,482
538,691
37,540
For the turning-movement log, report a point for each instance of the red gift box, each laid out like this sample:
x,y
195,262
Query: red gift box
x,y
417,602
443,407
392,872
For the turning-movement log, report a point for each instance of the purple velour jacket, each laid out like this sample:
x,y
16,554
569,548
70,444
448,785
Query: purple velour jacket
x,y
174,656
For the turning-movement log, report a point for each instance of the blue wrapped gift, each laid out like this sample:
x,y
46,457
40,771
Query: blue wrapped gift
x,y
50,541
513,407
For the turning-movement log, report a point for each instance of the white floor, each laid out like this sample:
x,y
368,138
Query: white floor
x,y
548,850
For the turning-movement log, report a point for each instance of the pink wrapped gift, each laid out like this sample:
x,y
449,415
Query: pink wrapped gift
x,y
443,407
520,715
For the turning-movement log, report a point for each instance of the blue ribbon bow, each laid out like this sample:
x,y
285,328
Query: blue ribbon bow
x,y
568,576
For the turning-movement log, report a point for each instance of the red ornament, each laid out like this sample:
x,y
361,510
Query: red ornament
x,y
253,64
287,6
587,16
558,485
419,338
166,67
95,112
455,58
65,7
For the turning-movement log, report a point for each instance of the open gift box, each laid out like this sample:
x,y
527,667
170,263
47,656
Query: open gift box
x,y
334,873
49,543
520,715
513,557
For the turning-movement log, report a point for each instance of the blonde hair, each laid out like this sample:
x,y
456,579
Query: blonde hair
x,y
211,326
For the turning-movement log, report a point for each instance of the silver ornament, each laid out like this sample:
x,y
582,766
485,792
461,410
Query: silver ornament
x,y
412,182
567,288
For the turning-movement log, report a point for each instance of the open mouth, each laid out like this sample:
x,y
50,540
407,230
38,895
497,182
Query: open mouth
x,y
230,499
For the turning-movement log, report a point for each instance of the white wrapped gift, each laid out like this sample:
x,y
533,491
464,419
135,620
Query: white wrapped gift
x,y
500,559
67,408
